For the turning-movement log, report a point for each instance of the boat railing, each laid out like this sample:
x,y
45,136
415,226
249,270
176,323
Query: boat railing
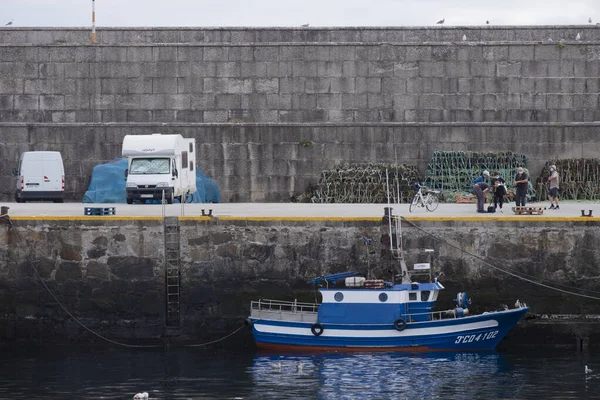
x,y
279,307
429,316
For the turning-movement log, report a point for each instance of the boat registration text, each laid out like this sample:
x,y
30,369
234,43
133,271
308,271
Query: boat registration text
x,y
476,338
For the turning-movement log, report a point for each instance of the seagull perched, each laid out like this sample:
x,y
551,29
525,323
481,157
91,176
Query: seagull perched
x,y
487,22
299,367
517,304
590,20
141,396
277,366
304,26
441,21
578,37
464,37
9,23
587,370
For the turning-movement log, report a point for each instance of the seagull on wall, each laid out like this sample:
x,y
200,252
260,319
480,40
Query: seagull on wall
x,y
305,26
578,37
590,20
587,370
487,22
464,37
9,23
441,21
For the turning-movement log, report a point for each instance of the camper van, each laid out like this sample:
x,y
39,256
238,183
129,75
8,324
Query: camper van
x,y
159,165
40,176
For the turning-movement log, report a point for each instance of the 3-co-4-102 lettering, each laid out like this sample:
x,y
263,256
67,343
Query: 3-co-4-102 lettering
x,y
475,338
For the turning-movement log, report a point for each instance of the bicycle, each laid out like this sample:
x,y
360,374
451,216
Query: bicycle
x,y
430,201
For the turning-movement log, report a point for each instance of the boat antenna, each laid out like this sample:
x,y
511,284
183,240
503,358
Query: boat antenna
x,y
387,186
367,243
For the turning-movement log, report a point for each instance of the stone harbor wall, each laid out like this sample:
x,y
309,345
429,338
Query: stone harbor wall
x,y
109,272
271,108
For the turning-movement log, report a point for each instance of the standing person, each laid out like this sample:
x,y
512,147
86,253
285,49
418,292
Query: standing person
x,y
553,188
480,189
499,189
483,177
522,184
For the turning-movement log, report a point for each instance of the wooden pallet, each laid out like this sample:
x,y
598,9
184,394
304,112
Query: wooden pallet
x,y
526,210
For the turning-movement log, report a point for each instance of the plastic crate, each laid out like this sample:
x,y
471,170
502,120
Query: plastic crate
x,y
99,211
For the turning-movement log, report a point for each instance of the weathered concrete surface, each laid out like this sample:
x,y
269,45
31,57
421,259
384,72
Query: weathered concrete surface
x,y
110,274
267,163
251,96
392,34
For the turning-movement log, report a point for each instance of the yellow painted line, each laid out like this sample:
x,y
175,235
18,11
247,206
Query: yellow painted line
x,y
241,218
83,218
529,218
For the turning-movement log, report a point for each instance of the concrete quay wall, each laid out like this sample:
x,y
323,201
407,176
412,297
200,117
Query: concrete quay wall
x,y
109,271
268,163
271,108
391,34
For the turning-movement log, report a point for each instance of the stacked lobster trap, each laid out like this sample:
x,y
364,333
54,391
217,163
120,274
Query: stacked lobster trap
x,y
579,179
364,183
455,171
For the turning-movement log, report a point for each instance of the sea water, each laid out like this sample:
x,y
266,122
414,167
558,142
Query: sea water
x,y
33,372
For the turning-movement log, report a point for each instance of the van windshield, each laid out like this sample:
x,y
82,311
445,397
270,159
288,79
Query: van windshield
x,y
145,166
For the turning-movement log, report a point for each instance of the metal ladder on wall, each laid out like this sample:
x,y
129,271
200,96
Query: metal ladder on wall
x,y
172,272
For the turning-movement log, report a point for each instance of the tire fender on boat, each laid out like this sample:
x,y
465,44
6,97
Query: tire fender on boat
x,y
316,329
400,324
248,323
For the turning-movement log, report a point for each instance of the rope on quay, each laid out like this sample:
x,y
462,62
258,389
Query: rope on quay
x,y
501,269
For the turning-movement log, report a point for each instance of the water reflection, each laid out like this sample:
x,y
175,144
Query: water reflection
x,y
49,373
375,376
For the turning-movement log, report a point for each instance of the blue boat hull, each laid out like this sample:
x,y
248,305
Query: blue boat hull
x,y
478,332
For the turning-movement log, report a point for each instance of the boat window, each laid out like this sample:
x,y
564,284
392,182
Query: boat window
x,y
383,297
339,296
412,296
425,295
435,295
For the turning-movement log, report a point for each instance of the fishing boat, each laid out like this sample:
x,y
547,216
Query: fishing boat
x,y
359,313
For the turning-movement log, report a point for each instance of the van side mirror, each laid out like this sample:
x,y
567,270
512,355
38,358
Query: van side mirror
x,y
126,173
15,172
175,173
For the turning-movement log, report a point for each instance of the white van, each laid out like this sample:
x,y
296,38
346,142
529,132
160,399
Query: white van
x,y
40,176
159,164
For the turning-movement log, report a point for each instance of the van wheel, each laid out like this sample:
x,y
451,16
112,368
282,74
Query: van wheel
x,y
170,199
58,201
129,201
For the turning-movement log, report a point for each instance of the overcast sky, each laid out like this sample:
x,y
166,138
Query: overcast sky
x,y
298,12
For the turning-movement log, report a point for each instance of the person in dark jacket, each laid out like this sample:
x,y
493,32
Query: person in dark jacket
x,y
522,184
481,189
483,177
497,184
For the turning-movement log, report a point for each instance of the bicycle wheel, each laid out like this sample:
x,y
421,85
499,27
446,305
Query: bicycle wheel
x,y
432,202
414,203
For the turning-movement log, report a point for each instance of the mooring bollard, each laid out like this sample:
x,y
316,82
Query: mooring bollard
x,y
4,217
583,214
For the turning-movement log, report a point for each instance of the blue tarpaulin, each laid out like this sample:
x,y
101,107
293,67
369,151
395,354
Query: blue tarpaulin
x,y
108,185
